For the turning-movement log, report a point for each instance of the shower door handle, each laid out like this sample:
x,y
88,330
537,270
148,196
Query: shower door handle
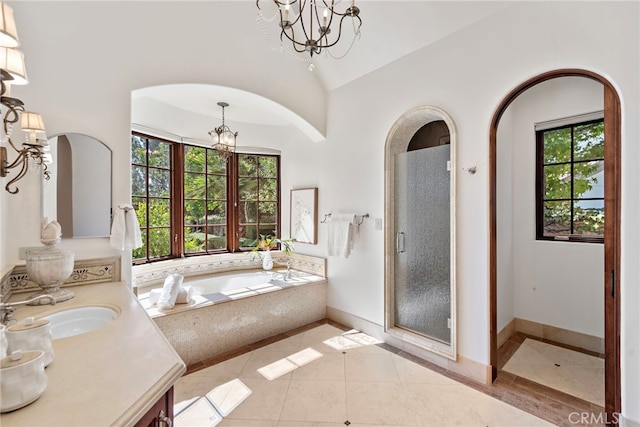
x,y
399,242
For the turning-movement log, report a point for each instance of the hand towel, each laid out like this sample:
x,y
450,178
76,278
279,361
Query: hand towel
x,y
340,235
118,230
133,238
125,230
170,290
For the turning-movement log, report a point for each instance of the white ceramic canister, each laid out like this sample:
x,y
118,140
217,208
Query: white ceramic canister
x,y
22,379
31,334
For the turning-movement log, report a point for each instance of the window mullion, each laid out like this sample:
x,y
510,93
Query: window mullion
x,y
147,197
177,200
206,201
232,204
572,178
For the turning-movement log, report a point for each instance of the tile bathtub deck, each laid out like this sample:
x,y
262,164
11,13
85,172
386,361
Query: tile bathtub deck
x,y
372,385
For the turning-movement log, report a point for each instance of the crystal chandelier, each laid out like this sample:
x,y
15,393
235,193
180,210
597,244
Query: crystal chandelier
x,y
223,139
310,25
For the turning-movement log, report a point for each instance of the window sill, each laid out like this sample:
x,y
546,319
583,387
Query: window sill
x,y
571,239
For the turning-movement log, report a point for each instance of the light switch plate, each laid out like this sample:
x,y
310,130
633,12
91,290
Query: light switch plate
x,y
378,223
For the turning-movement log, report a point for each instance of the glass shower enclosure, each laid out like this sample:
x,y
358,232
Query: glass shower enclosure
x,y
420,304
422,259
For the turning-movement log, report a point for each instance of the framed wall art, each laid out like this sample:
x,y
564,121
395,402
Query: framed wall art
x,y
304,215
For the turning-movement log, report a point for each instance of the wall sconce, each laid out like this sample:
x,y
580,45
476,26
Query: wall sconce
x,y
32,151
13,71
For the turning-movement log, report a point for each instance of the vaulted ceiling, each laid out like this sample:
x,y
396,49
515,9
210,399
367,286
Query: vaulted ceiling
x,y
390,30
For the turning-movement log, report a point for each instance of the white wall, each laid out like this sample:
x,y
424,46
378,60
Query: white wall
x,y
556,283
505,224
83,73
468,74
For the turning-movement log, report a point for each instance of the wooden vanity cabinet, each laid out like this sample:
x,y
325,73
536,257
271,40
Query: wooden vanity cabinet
x,y
161,414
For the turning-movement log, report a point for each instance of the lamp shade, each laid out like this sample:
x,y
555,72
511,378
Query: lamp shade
x,y
31,121
12,61
8,30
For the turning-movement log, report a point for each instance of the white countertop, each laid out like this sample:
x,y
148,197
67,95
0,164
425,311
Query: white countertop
x,y
107,377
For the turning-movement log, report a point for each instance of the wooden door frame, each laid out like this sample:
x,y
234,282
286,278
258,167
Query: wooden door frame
x,y
611,279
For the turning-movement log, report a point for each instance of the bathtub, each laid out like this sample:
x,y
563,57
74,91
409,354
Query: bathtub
x,y
233,283
229,311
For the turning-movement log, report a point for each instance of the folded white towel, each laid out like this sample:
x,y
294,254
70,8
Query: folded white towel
x,y
125,230
184,295
170,290
340,235
154,296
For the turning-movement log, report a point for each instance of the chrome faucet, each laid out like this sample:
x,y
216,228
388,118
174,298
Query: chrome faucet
x,y
7,308
288,264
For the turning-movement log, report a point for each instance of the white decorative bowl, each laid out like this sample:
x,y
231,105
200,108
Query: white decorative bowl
x,y
22,379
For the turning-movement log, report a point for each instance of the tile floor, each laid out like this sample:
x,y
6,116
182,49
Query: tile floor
x,y
575,373
546,402
369,385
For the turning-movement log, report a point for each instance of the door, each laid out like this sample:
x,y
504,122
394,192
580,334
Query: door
x,y
422,275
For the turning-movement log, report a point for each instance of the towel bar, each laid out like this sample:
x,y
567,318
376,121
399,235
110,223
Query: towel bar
x,y
327,217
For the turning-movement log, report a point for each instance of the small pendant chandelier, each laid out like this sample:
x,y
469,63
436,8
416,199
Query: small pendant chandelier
x,y
224,140
307,24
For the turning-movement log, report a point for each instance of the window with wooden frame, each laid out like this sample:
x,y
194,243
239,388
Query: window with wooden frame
x,y
151,195
570,181
190,200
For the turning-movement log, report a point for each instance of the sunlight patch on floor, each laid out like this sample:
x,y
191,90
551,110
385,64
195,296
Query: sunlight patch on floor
x,y
209,409
285,365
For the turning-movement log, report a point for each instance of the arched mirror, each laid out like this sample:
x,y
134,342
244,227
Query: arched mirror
x,y
420,243
78,193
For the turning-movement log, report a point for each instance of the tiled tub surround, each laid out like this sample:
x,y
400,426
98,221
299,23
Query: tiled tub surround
x,y
107,377
217,323
153,274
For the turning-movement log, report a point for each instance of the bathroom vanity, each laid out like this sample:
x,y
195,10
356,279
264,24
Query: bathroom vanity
x,y
121,374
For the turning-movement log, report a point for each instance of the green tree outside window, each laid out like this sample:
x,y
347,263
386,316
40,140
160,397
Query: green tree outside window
x,y
571,194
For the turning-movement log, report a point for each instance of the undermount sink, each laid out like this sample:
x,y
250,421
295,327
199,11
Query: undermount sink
x,y
79,320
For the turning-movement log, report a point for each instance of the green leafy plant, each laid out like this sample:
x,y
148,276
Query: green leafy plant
x,y
266,242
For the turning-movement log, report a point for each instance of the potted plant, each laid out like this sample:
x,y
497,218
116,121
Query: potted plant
x,y
265,243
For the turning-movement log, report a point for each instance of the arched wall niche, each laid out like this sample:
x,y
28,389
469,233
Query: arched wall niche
x,y
397,142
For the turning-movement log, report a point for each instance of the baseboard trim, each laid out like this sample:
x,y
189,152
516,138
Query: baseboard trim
x,y
506,332
551,333
464,366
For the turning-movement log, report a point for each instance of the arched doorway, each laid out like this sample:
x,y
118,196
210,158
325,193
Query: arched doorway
x,y
420,283
611,279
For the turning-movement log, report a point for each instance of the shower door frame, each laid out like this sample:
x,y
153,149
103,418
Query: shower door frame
x,y
397,141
